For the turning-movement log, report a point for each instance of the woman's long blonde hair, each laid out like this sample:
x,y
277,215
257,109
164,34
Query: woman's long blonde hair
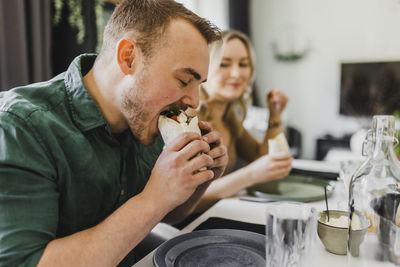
x,y
217,52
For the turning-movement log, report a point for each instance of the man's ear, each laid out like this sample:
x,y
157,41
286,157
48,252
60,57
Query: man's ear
x,y
126,51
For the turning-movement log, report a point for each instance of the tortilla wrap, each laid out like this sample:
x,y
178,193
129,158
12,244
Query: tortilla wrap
x,y
278,144
170,128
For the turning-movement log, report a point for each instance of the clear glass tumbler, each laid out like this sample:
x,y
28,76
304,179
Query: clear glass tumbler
x,y
290,234
347,169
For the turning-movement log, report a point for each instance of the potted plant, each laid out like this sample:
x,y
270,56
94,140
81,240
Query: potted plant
x,y
396,114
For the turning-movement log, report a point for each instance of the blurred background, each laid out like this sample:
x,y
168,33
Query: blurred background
x,y
338,61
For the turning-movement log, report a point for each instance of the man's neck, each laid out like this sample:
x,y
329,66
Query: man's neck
x,y
101,86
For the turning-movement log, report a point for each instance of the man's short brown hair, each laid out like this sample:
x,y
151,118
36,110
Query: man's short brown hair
x,y
148,19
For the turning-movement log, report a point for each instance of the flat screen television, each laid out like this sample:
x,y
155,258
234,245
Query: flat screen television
x,y
370,88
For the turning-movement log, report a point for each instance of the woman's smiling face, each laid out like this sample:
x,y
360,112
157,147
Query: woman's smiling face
x,y
232,77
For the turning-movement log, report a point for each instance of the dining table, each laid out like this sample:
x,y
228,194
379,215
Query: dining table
x,y
247,209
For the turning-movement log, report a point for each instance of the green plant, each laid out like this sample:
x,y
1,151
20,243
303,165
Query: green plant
x,y
75,18
396,114
291,56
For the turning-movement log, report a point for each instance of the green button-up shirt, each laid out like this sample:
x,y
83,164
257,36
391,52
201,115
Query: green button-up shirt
x,y
61,169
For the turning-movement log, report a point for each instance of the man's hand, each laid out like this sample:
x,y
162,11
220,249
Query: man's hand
x,y
175,175
218,150
276,101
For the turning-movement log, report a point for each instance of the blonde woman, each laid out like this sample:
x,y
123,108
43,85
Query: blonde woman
x,y
223,101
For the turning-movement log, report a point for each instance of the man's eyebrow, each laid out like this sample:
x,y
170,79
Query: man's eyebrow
x,y
193,73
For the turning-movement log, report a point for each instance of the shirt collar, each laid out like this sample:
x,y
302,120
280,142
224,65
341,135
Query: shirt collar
x,y
85,112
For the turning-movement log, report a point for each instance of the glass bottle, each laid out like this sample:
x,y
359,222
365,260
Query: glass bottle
x,y
374,198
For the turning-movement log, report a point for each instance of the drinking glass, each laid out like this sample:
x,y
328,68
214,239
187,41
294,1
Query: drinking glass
x,y
347,169
290,234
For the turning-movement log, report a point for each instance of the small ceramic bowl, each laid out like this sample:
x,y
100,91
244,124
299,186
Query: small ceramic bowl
x,y
334,238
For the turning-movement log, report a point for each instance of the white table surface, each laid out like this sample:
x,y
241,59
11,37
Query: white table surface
x,y
252,212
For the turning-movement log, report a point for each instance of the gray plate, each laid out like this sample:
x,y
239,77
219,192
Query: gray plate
x,y
294,187
216,247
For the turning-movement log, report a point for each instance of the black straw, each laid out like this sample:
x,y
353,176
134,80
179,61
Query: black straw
x,y
326,202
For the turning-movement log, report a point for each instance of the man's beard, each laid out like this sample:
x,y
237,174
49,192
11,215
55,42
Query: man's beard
x,y
135,112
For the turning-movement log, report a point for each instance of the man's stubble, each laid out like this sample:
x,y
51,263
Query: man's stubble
x,y
134,109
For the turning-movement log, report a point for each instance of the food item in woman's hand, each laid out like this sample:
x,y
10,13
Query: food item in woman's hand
x,y
278,144
173,122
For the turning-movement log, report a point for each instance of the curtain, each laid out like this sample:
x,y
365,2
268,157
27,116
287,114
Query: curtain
x,y
64,43
239,19
239,15
25,41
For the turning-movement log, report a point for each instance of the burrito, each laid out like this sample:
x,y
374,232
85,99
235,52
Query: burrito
x,y
173,122
278,144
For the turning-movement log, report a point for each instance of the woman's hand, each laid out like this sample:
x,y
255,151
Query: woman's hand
x,y
276,101
270,167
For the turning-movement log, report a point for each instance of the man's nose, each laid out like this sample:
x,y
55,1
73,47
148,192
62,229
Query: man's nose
x,y
191,99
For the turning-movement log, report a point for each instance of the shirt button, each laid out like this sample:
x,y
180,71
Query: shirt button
x,y
122,192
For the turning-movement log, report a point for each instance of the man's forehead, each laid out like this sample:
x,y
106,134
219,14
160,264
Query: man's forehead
x,y
188,48
183,32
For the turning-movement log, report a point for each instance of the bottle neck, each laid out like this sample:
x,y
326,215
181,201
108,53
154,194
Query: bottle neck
x,y
383,147
383,135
